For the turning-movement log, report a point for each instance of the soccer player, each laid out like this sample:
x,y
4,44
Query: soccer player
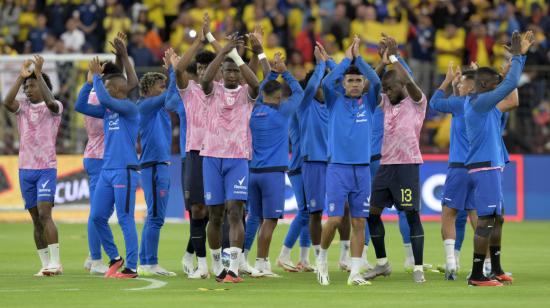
x,y
456,197
196,107
155,130
269,128
485,159
93,154
348,176
118,178
38,119
397,180
226,153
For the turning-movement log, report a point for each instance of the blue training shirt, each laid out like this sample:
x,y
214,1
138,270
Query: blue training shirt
x,y
350,119
121,124
174,103
155,126
269,128
296,160
459,140
503,122
377,131
483,120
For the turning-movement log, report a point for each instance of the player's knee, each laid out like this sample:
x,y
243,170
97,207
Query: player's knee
x,y
415,225
500,219
376,227
198,211
376,211
44,216
358,224
484,226
235,214
157,222
335,221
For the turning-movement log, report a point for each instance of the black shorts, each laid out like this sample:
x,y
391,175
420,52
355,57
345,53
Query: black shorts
x,y
397,185
192,181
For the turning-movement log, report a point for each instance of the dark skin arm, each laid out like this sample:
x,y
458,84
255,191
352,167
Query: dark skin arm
x,y
205,29
257,48
214,66
120,46
251,80
412,88
10,103
49,99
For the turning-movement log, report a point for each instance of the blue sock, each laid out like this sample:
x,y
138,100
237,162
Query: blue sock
x,y
296,228
252,225
404,227
460,225
367,234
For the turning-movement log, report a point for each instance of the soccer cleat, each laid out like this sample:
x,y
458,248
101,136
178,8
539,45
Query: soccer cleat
x,y
450,273
484,282
98,268
114,266
305,267
125,274
157,270
409,265
366,266
187,264
344,265
418,276
145,270
378,270
199,273
268,273
232,278
40,272
221,276
286,265
357,280
53,270
246,269
322,274
503,278
88,263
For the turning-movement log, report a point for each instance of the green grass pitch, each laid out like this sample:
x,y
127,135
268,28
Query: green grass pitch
x,y
526,253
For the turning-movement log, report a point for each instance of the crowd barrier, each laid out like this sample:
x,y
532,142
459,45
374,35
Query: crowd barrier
x,y
526,189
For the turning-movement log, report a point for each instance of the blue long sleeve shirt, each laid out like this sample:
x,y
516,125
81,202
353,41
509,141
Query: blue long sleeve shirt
x,y
174,103
483,120
350,119
155,127
459,140
269,127
121,124
313,116
377,131
504,120
296,160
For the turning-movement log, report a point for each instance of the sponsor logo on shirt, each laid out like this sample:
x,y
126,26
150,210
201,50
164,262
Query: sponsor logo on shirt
x,y
361,117
114,121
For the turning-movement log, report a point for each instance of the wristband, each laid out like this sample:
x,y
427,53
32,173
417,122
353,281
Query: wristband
x,y
262,56
393,59
209,37
233,54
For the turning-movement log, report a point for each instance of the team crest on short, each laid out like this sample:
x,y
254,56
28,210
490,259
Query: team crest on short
x,y
208,196
331,207
313,203
187,194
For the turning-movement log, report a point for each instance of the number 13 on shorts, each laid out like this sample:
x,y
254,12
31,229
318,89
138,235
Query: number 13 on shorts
x,y
406,197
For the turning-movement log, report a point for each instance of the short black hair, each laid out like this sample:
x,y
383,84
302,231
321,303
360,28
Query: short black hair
x,y
114,76
192,68
389,75
109,67
205,57
486,74
469,74
353,70
271,87
44,75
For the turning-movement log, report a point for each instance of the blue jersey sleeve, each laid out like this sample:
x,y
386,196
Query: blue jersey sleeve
x,y
375,85
486,101
289,106
173,99
152,104
121,106
312,85
331,64
82,106
405,66
329,87
451,104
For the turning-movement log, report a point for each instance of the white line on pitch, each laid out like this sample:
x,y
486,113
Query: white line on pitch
x,y
155,284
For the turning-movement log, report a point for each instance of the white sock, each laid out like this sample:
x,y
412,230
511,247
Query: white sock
x,y
235,253
304,255
418,268
217,266
457,258
54,254
408,251
449,245
356,264
44,255
202,263
285,252
316,250
188,256
323,255
344,251
365,251
245,252
260,264
382,261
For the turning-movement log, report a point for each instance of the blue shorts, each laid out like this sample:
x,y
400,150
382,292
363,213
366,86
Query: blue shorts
x,y
314,175
266,196
456,194
348,183
37,185
224,179
298,188
487,192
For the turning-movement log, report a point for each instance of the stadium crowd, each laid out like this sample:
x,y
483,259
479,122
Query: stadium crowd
x,y
430,33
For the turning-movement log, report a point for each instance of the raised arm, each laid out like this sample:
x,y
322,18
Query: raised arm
x,y
10,103
173,99
313,84
329,83
82,106
214,66
248,75
206,34
412,88
258,51
47,94
510,103
119,44
289,106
